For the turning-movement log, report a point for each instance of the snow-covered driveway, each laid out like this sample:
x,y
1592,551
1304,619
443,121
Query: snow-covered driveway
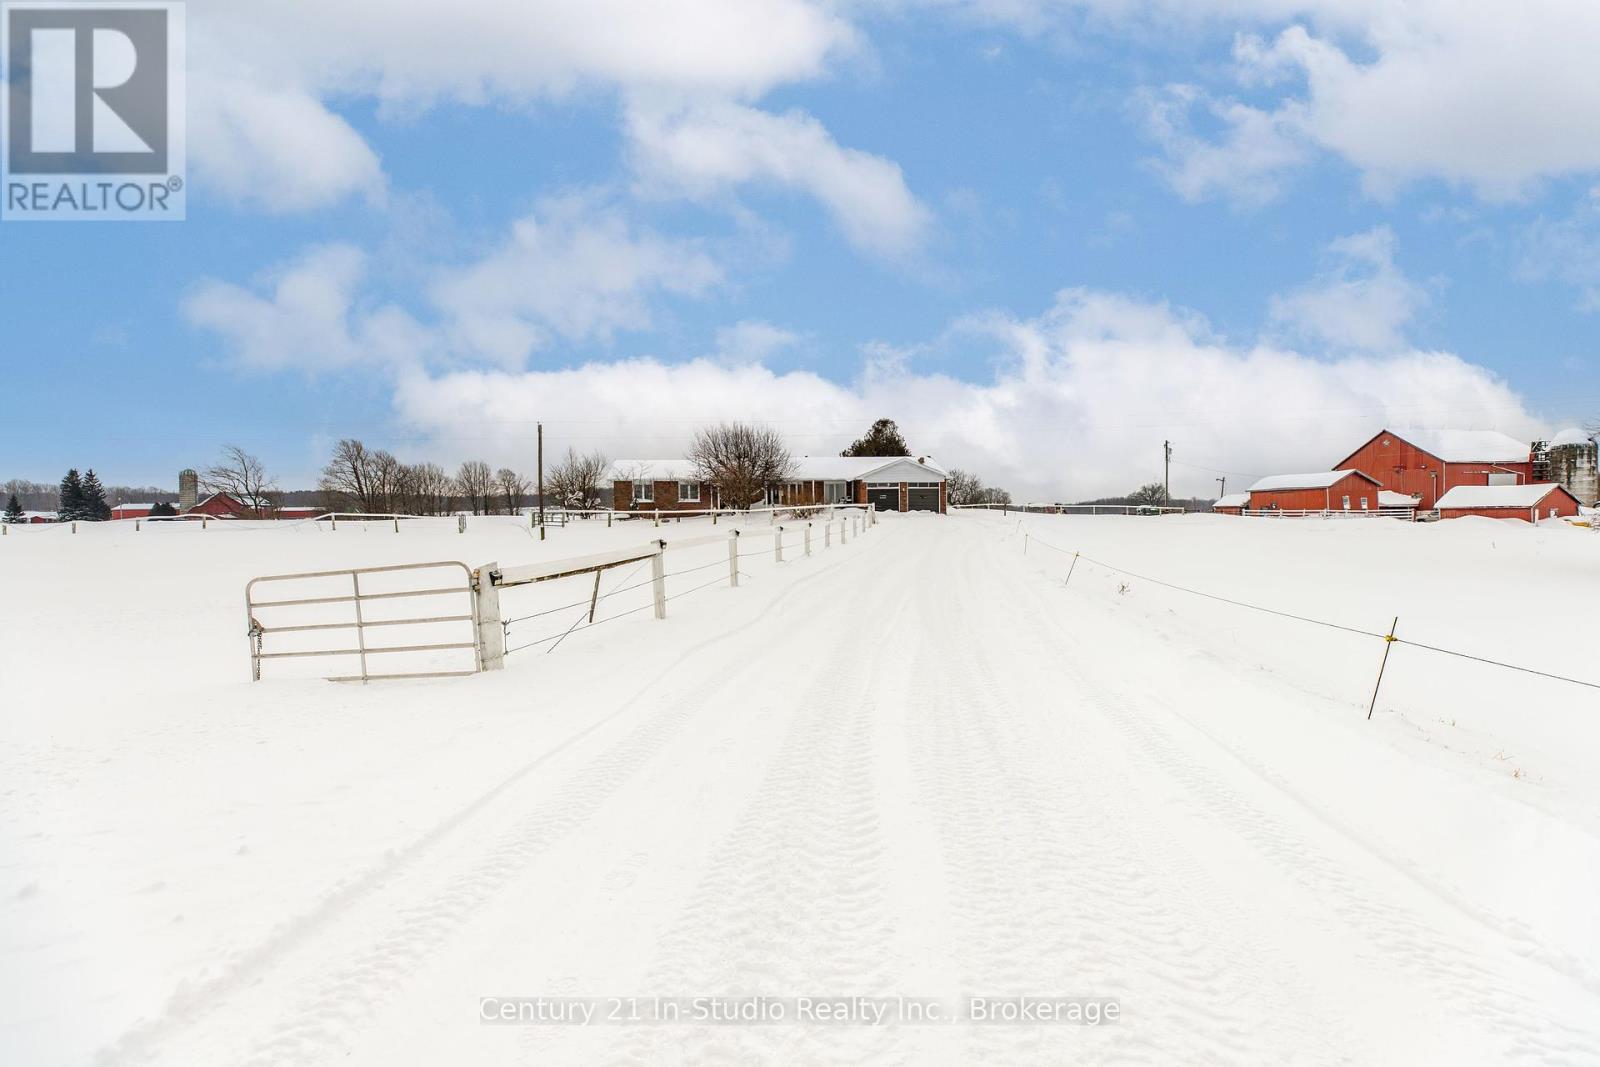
x,y
922,768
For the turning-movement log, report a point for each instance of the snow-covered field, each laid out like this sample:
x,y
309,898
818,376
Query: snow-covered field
x,y
918,764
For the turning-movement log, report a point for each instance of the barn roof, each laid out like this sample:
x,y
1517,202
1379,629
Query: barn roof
x,y
1315,480
1498,496
1389,499
1233,500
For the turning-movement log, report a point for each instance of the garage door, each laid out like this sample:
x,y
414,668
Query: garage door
x,y
886,497
923,497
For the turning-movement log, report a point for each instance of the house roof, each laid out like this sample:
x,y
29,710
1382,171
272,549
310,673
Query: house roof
x,y
1315,480
1233,500
806,468
1390,499
1498,496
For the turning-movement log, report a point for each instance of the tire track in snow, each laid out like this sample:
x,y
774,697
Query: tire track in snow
x,y
793,900
1393,934
1053,881
402,924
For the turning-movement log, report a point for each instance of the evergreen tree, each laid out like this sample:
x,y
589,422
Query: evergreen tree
x,y
882,440
94,507
13,510
163,510
70,507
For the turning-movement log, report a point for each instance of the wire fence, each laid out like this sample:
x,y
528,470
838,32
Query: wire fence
x,y
804,539
1390,638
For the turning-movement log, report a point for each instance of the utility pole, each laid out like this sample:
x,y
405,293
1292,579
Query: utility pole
x,y
1223,491
1166,477
541,481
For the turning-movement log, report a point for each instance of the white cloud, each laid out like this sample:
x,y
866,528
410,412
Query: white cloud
x,y
263,73
1076,406
574,269
276,148
1246,163
308,319
704,148
1363,302
1567,250
1492,96
753,341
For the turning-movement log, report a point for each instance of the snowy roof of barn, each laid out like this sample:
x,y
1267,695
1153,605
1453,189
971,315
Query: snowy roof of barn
x,y
1389,499
1315,480
1469,446
1570,436
806,468
1497,496
1233,500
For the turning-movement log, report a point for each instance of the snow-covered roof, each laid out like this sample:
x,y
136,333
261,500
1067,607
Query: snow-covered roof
x,y
1390,499
147,507
1570,436
1469,446
1496,496
806,468
1315,480
1233,500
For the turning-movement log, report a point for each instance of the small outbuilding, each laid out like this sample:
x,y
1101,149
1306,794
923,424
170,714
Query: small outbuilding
x,y
1529,503
1232,504
1321,491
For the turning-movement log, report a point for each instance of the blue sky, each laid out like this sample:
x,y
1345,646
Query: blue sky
x,y
1044,237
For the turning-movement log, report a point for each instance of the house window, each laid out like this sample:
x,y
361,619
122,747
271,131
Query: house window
x,y
833,492
1364,504
644,492
1347,503
689,492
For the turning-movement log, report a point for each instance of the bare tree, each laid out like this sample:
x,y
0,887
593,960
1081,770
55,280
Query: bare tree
x,y
475,483
243,477
512,488
347,480
741,461
577,481
963,488
425,490
1152,495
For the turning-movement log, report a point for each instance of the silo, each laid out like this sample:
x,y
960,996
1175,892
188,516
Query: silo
x,y
188,490
1574,461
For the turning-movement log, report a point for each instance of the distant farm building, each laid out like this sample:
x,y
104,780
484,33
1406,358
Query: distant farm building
x,y
1428,464
1529,503
892,483
1341,490
1232,504
229,506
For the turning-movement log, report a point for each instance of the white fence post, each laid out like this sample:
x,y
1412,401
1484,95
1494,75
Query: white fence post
x,y
827,534
733,558
486,610
808,539
844,531
777,546
658,578
461,524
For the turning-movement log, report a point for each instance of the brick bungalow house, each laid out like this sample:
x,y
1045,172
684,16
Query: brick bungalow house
x,y
893,483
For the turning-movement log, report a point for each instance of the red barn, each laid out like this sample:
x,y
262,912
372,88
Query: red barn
x,y
1344,490
1232,504
132,511
1530,503
1428,464
228,506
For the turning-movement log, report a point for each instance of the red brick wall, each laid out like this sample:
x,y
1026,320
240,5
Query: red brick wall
x,y
666,498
